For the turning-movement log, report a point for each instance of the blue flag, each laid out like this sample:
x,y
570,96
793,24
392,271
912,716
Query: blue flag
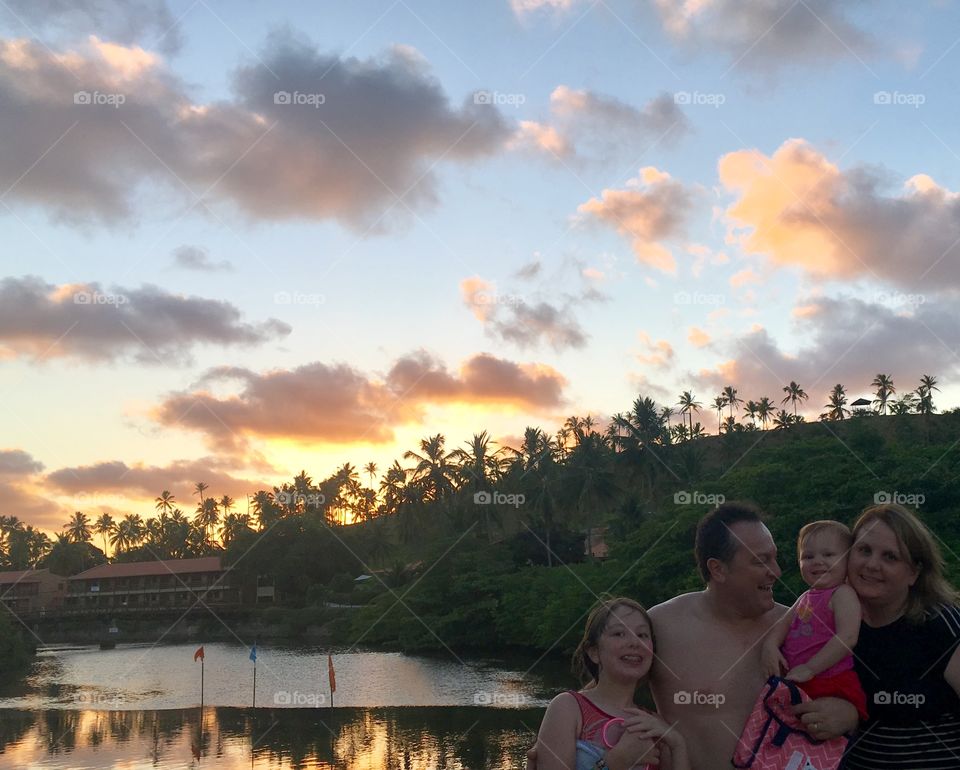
x,y
253,653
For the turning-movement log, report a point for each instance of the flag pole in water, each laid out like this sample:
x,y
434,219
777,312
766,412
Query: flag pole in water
x,y
253,657
199,655
332,677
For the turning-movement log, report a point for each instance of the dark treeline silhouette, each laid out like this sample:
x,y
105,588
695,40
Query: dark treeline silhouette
x,y
550,484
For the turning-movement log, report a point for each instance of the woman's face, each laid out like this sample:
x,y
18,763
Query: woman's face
x,y
878,570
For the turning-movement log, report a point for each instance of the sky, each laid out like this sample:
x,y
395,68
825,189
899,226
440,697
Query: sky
x,y
241,240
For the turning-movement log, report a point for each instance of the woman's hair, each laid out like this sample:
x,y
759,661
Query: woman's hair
x,y
918,547
840,529
583,667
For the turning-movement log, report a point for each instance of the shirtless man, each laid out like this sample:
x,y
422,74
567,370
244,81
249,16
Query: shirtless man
x,y
706,673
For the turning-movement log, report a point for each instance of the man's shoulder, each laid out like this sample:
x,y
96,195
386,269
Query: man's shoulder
x,y
684,603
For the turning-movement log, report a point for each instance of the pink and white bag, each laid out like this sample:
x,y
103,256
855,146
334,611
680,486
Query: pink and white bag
x,y
775,739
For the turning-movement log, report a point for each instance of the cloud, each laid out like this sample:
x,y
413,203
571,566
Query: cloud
x,y
601,124
16,462
698,337
336,403
42,320
196,258
657,354
766,34
538,136
18,471
744,277
845,340
306,135
525,320
652,209
523,7
799,209
88,483
124,21
483,378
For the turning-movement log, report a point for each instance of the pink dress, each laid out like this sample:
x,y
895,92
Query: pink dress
x,y
812,627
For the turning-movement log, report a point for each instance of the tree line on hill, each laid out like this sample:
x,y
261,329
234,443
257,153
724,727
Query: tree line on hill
x,y
551,485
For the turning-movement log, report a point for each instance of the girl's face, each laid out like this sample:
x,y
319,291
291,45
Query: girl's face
x,y
878,571
625,648
823,559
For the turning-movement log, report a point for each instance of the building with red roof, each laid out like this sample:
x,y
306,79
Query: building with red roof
x,y
153,584
32,590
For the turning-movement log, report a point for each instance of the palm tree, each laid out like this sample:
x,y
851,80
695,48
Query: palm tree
x,y
666,413
433,471
783,420
688,405
371,470
642,425
165,502
905,404
207,516
572,426
765,410
266,509
479,470
730,394
78,528
391,486
592,481
128,533
928,384
837,405
884,385
103,527
535,464
198,489
719,403
750,410
233,525
794,395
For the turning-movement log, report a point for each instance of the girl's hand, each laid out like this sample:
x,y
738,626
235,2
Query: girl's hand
x,y
773,662
654,727
638,743
633,750
801,673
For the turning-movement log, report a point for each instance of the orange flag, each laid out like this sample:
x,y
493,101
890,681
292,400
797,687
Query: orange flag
x,y
198,655
331,675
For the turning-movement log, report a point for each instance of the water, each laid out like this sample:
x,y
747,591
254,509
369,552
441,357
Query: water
x,y
138,706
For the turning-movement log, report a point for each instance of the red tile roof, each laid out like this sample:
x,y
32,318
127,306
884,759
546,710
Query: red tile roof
x,y
22,576
141,568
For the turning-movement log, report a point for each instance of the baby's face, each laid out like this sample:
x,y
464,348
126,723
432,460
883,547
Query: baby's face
x,y
823,560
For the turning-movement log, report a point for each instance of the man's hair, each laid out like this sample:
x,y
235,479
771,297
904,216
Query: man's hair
x,y
714,539
838,528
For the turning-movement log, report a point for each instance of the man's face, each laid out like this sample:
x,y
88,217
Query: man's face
x,y
749,576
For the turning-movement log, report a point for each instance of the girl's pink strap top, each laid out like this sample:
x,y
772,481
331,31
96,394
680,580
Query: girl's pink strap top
x,y
813,626
592,719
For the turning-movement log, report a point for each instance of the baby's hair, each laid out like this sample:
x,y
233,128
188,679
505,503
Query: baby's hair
x,y
826,525
583,667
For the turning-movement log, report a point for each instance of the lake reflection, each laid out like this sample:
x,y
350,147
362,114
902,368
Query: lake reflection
x,y
405,738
